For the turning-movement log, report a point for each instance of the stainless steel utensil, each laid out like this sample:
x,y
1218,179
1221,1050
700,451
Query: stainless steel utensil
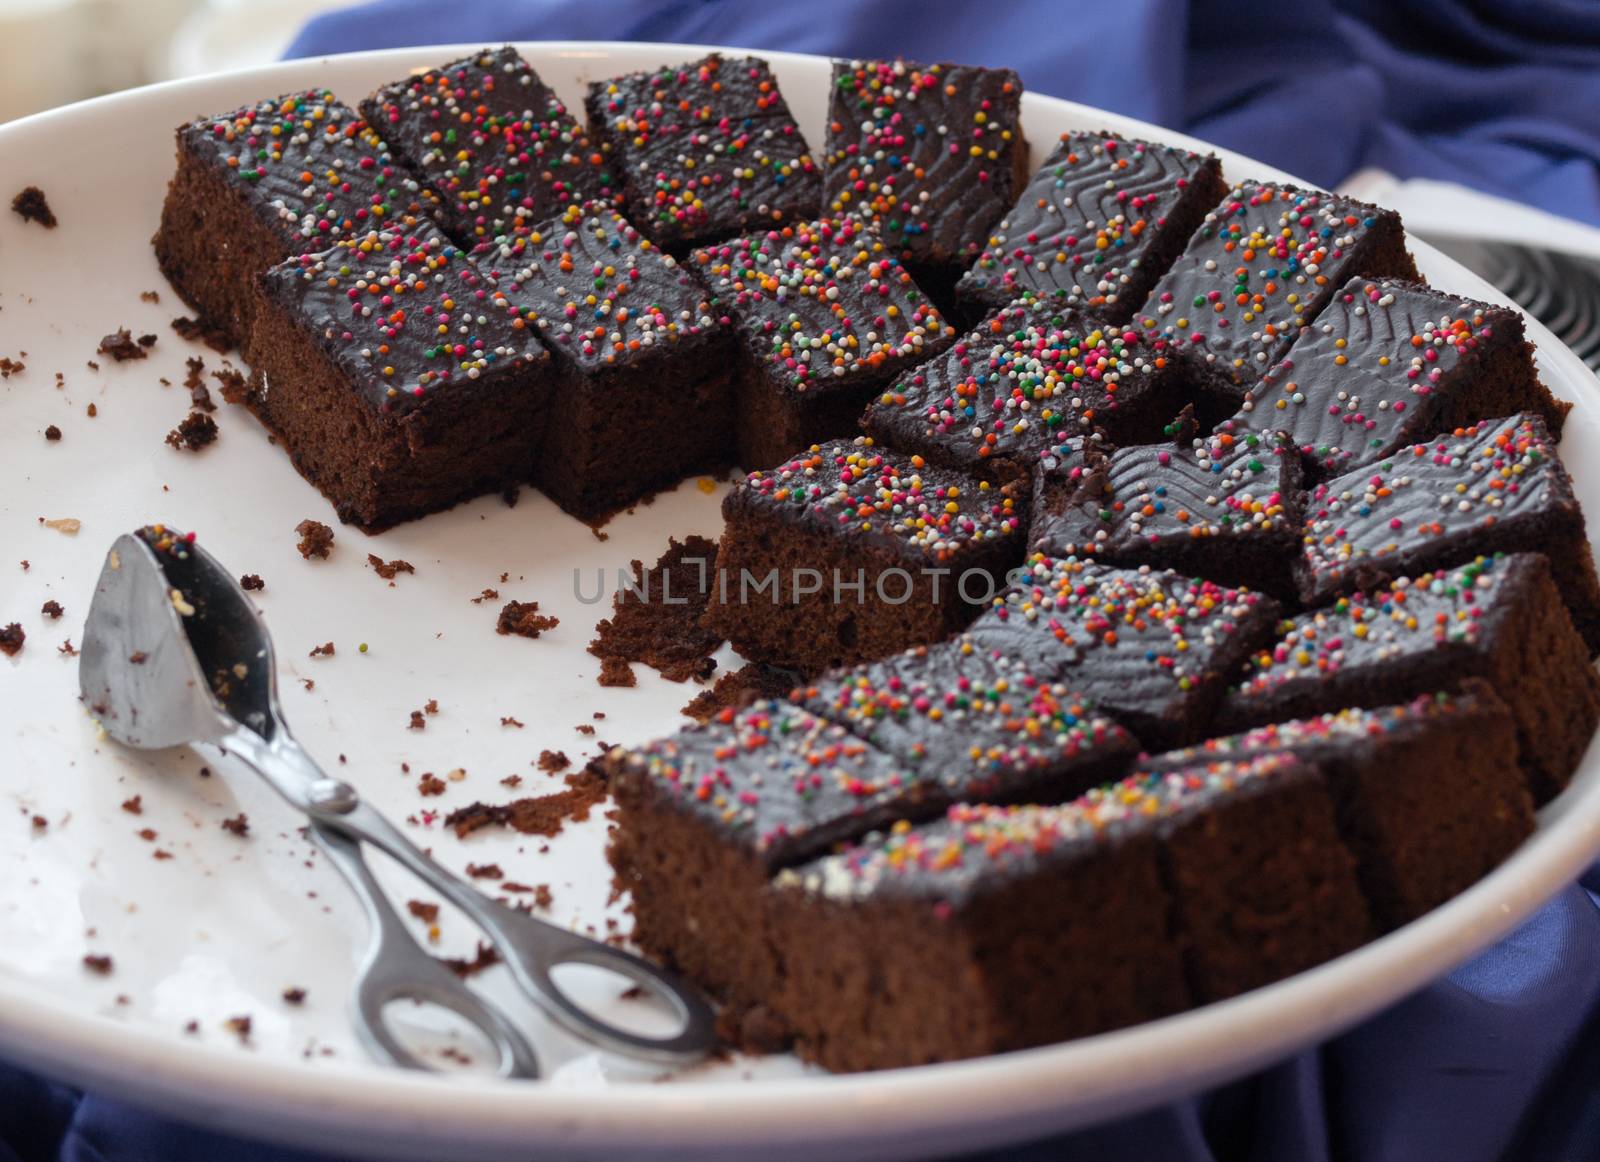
x,y
174,652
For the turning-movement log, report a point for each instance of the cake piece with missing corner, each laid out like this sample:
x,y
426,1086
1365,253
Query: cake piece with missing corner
x,y
493,141
826,316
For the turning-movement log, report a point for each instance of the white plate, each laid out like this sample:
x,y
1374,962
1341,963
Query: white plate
x,y
224,926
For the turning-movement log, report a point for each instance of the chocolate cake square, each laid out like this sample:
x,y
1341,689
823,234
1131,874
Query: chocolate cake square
x,y
1498,618
1390,363
951,707
396,376
826,317
931,154
1429,795
1098,224
493,141
647,391
1029,378
1495,487
1234,517
1153,649
851,552
1261,267
705,150
281,177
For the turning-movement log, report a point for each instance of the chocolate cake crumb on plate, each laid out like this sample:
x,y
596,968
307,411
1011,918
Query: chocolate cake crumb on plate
x,y
31,206
656,619
537,814
389,570
523,619
51,609
11,639
196,431
196,330
316,539
52,433
122,346
252,581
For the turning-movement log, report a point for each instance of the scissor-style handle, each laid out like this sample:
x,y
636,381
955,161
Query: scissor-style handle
x,y
397,968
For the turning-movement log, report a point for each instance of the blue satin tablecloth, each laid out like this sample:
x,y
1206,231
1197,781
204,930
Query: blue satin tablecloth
x,y
1499,1061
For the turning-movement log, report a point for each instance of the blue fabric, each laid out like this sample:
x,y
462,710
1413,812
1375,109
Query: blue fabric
x,y
1498,1062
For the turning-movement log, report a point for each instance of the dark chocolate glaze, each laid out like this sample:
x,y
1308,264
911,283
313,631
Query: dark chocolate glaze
x,y
809,299
1030,378
492,140
406,317
1262,266
1482,488
1374,371
927,152
602,295
1083,227
311,168
705,150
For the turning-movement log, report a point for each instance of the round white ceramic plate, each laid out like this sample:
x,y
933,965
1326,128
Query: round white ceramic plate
x,y
222,927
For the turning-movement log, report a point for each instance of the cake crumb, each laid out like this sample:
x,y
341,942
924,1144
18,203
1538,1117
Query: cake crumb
x,y
212,337
294,996
507,720
427,913
11,639
615,671
584,728
98,964
194,433
239,1027
51,609
150,296
553,761
523,619
418,722
134,806
239,825
10,367
486,595
389,570
537,815
325,650
316,539
231,382
32,206
252,581
122,346
430,784
485,957
485,871
52,434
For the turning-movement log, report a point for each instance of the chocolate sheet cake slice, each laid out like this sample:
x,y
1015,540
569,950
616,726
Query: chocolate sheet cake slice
x,y
647,392
1234,517
951,707
493,141
1030,377
1100,221
1260,268
705,150
1391,363
1498,618
396,376
1428,792
1496,486
851,551
999,928
1151,648
827,316
281,177
931,154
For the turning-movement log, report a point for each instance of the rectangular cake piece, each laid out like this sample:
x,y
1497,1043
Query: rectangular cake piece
x,y
493,141
705,150
851,552
1261,267
1029,378
1390,363
1498,618
281,177
1000,928
1100,221
647,392
826,317
1495,487
398,379
1153,649
1429,795
951,707
1233,517
933,155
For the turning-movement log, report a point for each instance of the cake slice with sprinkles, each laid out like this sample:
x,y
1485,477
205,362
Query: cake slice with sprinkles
x,y
1097,225
1497,618
647,395
395,375
1495,487
932,154
1261,267
851,551
493,141
1390,363
280,177
951,707
1152,648
1428,793
705,150
1027,379
997,928
1232,516
827,316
